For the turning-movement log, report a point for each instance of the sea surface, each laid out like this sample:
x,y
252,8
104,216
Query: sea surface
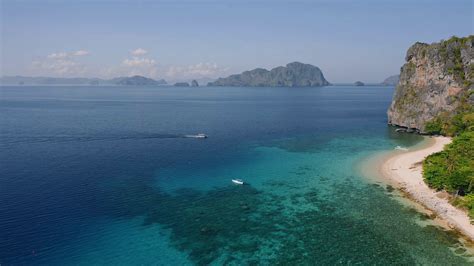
x,y
105,175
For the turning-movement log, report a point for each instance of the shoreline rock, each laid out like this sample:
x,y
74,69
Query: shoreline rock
x,y
181,84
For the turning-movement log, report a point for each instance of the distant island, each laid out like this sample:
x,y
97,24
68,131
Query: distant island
x,y
294,74
391,81
138,81
122,81
181,84
359,83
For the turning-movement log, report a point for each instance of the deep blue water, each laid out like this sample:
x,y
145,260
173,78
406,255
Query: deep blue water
x,y
104,175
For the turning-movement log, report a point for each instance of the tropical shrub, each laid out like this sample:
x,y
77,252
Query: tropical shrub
x,y
453,168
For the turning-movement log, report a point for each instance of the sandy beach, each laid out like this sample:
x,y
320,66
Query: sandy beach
x,y
405,170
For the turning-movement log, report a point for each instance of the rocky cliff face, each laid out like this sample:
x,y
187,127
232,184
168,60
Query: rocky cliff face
x,y
435,81
293,75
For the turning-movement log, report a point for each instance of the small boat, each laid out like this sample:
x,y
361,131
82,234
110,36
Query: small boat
x,y
198,136
238,181
400,148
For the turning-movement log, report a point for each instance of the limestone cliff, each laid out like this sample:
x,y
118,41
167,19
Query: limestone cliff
x,y
436,80
294,74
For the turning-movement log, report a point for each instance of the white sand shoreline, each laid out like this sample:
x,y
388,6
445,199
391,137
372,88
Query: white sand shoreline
x,y
405,170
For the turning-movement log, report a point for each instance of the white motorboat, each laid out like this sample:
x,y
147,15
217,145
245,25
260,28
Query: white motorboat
x,y
400,148
198,136
238,181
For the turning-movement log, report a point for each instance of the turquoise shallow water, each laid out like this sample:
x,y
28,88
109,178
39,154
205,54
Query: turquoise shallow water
x,y
103,176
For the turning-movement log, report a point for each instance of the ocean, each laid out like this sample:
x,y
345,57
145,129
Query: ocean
x,y
105,175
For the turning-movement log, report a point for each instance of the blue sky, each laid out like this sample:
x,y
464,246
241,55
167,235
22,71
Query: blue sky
x,y
179,40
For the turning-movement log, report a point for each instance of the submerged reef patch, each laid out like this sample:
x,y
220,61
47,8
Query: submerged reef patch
x,y
243,225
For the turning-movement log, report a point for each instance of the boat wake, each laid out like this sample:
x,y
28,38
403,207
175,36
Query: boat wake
x,y
19,139
198,136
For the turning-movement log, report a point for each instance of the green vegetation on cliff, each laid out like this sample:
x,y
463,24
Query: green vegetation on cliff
x,y
452,169
452,125
454,60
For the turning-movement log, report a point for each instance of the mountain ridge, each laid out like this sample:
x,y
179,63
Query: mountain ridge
x,y
391,81
122,81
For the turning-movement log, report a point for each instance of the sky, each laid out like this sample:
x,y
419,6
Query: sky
x,y
181,40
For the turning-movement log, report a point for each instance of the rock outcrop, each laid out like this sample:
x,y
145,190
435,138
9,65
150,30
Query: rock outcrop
x,y
293,75
436,81
359,83
391,81
181,84
194,83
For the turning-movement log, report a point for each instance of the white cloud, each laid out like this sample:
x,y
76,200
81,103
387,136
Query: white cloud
x,y
63,55
69,64
80,53
200,70
150,68
61,63
60,55
139,52
59,66
138,62
135,65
